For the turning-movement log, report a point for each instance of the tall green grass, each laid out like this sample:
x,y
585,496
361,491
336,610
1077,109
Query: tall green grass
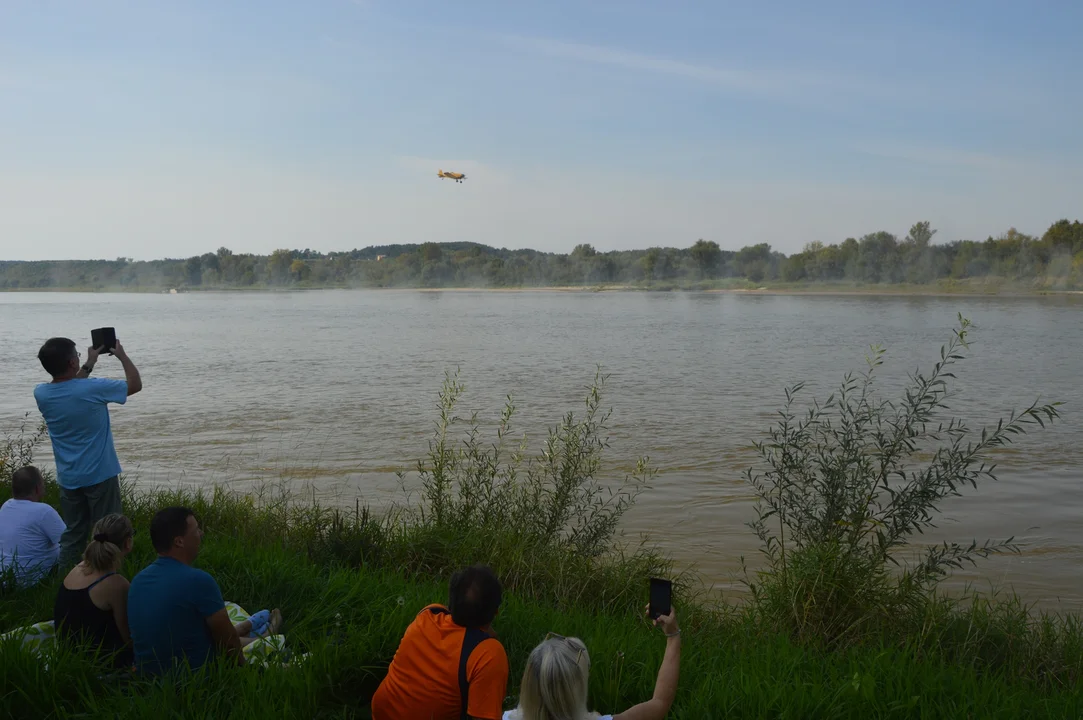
x,y
349,582
350,621
845,490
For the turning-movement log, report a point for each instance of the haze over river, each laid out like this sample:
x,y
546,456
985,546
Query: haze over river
x,y
334,391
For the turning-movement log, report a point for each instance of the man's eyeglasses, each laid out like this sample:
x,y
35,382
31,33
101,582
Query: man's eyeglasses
x,y
580,648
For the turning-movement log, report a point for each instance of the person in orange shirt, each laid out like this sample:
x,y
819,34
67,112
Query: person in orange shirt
x,y
450,664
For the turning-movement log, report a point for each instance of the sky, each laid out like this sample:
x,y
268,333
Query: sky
x,y
169,128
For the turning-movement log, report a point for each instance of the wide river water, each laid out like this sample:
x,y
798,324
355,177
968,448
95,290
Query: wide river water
x,y
332,392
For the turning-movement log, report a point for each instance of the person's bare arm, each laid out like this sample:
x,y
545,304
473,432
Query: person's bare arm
x,y
131,372
665,688
53,527
225,635
118,603
91,360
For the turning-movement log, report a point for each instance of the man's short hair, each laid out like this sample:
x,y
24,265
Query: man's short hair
x,y
55,355
167,525
474,596
24,482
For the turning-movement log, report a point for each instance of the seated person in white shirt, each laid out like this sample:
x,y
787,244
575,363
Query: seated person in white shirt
x,y
29,530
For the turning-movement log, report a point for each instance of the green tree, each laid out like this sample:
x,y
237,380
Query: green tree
x,y
707,256
793,268
846,486
300,270
278,266
431,252
494,272
193,271
227,265
754,261
649,261
921,234
877,257
915,254
1063,235
583,251
601,269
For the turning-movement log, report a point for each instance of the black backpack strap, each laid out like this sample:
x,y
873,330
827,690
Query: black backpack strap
x,y
471,639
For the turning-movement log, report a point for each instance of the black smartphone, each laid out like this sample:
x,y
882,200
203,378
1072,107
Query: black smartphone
x,y
661,598
105,337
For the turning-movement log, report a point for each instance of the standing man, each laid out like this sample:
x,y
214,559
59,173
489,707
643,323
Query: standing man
x,y
75,408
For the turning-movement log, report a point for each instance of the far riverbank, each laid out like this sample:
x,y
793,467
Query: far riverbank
x,y
840,289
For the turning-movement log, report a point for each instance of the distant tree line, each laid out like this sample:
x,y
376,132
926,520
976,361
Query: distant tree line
x,y
1055,260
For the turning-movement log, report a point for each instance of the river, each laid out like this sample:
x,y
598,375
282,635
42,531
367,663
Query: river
x,y
332,392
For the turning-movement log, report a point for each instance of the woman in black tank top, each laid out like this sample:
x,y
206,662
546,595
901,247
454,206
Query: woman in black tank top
x,y
91,605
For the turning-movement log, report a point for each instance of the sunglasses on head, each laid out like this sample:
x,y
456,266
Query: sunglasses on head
x,y
579,648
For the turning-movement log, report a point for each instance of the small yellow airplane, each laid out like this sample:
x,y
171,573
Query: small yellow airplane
x,y
456,176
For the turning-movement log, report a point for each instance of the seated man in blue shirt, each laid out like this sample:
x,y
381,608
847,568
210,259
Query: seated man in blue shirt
x,y
176,614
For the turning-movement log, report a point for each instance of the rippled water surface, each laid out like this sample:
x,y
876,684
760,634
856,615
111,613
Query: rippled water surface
x,y
335,391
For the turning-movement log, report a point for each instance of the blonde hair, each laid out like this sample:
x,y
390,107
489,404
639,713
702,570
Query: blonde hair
x,y
555,682
105,552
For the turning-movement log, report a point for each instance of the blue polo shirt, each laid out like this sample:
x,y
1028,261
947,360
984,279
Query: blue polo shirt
x,y
77,415
168,606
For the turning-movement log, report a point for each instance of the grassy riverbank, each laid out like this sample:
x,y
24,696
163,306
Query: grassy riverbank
x,y
827,634
350,617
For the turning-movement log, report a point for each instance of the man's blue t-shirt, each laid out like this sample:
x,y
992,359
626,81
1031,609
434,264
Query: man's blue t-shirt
x,y
168,605
77,415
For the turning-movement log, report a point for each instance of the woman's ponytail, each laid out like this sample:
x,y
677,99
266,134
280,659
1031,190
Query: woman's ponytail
x,y
105,551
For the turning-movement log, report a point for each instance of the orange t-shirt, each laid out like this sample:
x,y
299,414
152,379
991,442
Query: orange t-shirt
x,y
435,659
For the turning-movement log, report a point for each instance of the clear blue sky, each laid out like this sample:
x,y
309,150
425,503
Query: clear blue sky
x,y
153,128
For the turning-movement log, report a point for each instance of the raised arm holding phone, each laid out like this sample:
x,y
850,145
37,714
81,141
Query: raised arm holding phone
x,y
131,372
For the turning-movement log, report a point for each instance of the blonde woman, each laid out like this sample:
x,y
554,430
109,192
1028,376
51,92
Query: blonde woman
x,y
92,604
557,675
